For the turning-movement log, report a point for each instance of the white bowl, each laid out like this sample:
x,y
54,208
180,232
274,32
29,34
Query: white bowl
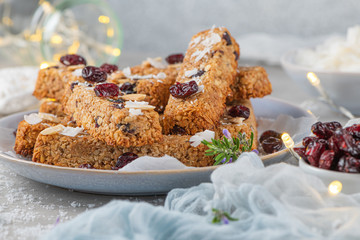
x,y
350,181
342,87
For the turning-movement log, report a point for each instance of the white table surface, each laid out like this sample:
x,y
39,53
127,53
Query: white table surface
x,y
28,208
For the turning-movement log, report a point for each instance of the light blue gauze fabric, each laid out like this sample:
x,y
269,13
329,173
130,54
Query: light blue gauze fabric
x,y
276,202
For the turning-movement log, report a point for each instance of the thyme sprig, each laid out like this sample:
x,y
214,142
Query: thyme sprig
x,y
229,148
222,217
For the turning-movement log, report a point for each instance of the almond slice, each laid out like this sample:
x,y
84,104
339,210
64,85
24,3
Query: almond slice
x,y
134,97
74,67
52,130
48,116
142,107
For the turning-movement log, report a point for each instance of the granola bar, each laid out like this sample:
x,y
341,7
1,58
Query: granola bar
x,y
113,120
52,106
146,79
211,62
250,82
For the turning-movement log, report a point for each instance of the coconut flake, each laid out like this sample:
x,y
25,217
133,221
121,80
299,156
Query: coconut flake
x,y
200,136
70,131
127,72
156,62
32,118
210,41
138,105
195,41
200,88
135,112
161,75
77,72
191,72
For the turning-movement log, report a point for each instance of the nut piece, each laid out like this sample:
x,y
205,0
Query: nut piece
x,y
50,117
134,97
52,130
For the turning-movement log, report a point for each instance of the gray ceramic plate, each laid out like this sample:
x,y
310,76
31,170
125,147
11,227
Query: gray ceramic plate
x,y
135,183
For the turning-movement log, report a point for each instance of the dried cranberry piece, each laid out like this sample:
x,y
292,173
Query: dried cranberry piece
x,y
326,159
354,130
108,68
126,128
271,144
349,164
269,133
86,166
175,58
301,152
236,55
73,84
199,73
325,130
93,74
239,111
314,151
128,88
183,90
227,38
346,142
107,90
125,159
307,140
178,130
72,59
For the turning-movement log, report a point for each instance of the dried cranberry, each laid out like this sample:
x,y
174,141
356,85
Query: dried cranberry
x,y
93,74
175,58
183,90
301,152
178,130
107,90
236,55
326,159
108,68
314,151
96,122
271,144
126,128
354,130
227,38
72,59
199,73
125,159
349,164
325,130
308,140
346,142
128,88
269,133
86,166
239,111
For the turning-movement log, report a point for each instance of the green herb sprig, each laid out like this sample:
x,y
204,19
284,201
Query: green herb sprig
x,y
229,148
222,217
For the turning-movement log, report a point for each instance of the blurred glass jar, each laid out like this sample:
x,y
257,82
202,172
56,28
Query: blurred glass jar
x,y
40,32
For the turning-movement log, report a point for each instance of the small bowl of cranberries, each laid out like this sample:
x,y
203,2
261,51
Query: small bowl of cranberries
x,y
333,153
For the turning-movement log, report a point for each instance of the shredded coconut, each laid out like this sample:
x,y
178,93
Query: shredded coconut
x,y
127,72
337,53
210,41
32,118
156,62
200,136
190,72
77,72
135,112
71,132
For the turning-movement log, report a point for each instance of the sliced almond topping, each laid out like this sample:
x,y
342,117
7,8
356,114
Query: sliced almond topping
x,y
52,130
143,107
50,117
134,97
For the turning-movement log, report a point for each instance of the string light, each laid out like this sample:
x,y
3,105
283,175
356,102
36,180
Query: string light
x,y
44,65
56,39
335,187
74,47
110,32
104,19
289,144
315,81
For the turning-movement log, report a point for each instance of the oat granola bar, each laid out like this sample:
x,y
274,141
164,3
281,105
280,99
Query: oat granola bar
x,y
146,79
113,120
210,61
250,82
51,106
